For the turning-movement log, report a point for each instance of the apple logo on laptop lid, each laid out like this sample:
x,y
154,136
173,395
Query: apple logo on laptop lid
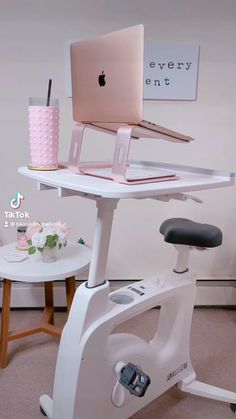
x,y
101,79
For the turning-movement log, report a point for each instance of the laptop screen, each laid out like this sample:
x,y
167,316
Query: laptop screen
x,y
107,77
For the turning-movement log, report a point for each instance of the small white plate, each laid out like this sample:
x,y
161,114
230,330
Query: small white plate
x,y
15,257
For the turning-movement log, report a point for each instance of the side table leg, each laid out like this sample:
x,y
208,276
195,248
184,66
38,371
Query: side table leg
x,y
6,300
49,306
70,291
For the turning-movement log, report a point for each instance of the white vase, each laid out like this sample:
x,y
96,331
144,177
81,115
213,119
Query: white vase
x,y
49,254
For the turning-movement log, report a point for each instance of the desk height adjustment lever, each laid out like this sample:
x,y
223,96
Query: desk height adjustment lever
x,y
179,197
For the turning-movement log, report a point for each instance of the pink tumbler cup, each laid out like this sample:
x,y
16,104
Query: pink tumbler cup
x,y
43,133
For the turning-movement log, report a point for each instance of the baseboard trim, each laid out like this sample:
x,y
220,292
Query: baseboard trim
x,y
209,293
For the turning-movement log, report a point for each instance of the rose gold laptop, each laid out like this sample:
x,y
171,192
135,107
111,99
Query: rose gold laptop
x,y
107,93
107,81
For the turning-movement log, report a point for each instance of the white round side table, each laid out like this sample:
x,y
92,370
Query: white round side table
x,y
72,259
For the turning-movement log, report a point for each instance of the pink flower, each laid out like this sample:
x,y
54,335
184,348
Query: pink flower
x,y
61,227
33,229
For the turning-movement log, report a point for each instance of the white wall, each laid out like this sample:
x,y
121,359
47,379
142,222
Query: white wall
x,y
32,50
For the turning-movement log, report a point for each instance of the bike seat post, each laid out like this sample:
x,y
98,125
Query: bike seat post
x,y
182,258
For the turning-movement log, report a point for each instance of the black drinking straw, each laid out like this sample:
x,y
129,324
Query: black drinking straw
x,y
49,91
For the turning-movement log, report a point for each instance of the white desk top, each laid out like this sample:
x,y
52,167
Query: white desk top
x,y
71,260
191,179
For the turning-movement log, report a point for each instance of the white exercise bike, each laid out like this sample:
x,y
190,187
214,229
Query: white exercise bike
x,y
111,376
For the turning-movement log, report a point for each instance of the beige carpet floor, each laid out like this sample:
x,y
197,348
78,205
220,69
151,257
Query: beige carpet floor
x,y
213,342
